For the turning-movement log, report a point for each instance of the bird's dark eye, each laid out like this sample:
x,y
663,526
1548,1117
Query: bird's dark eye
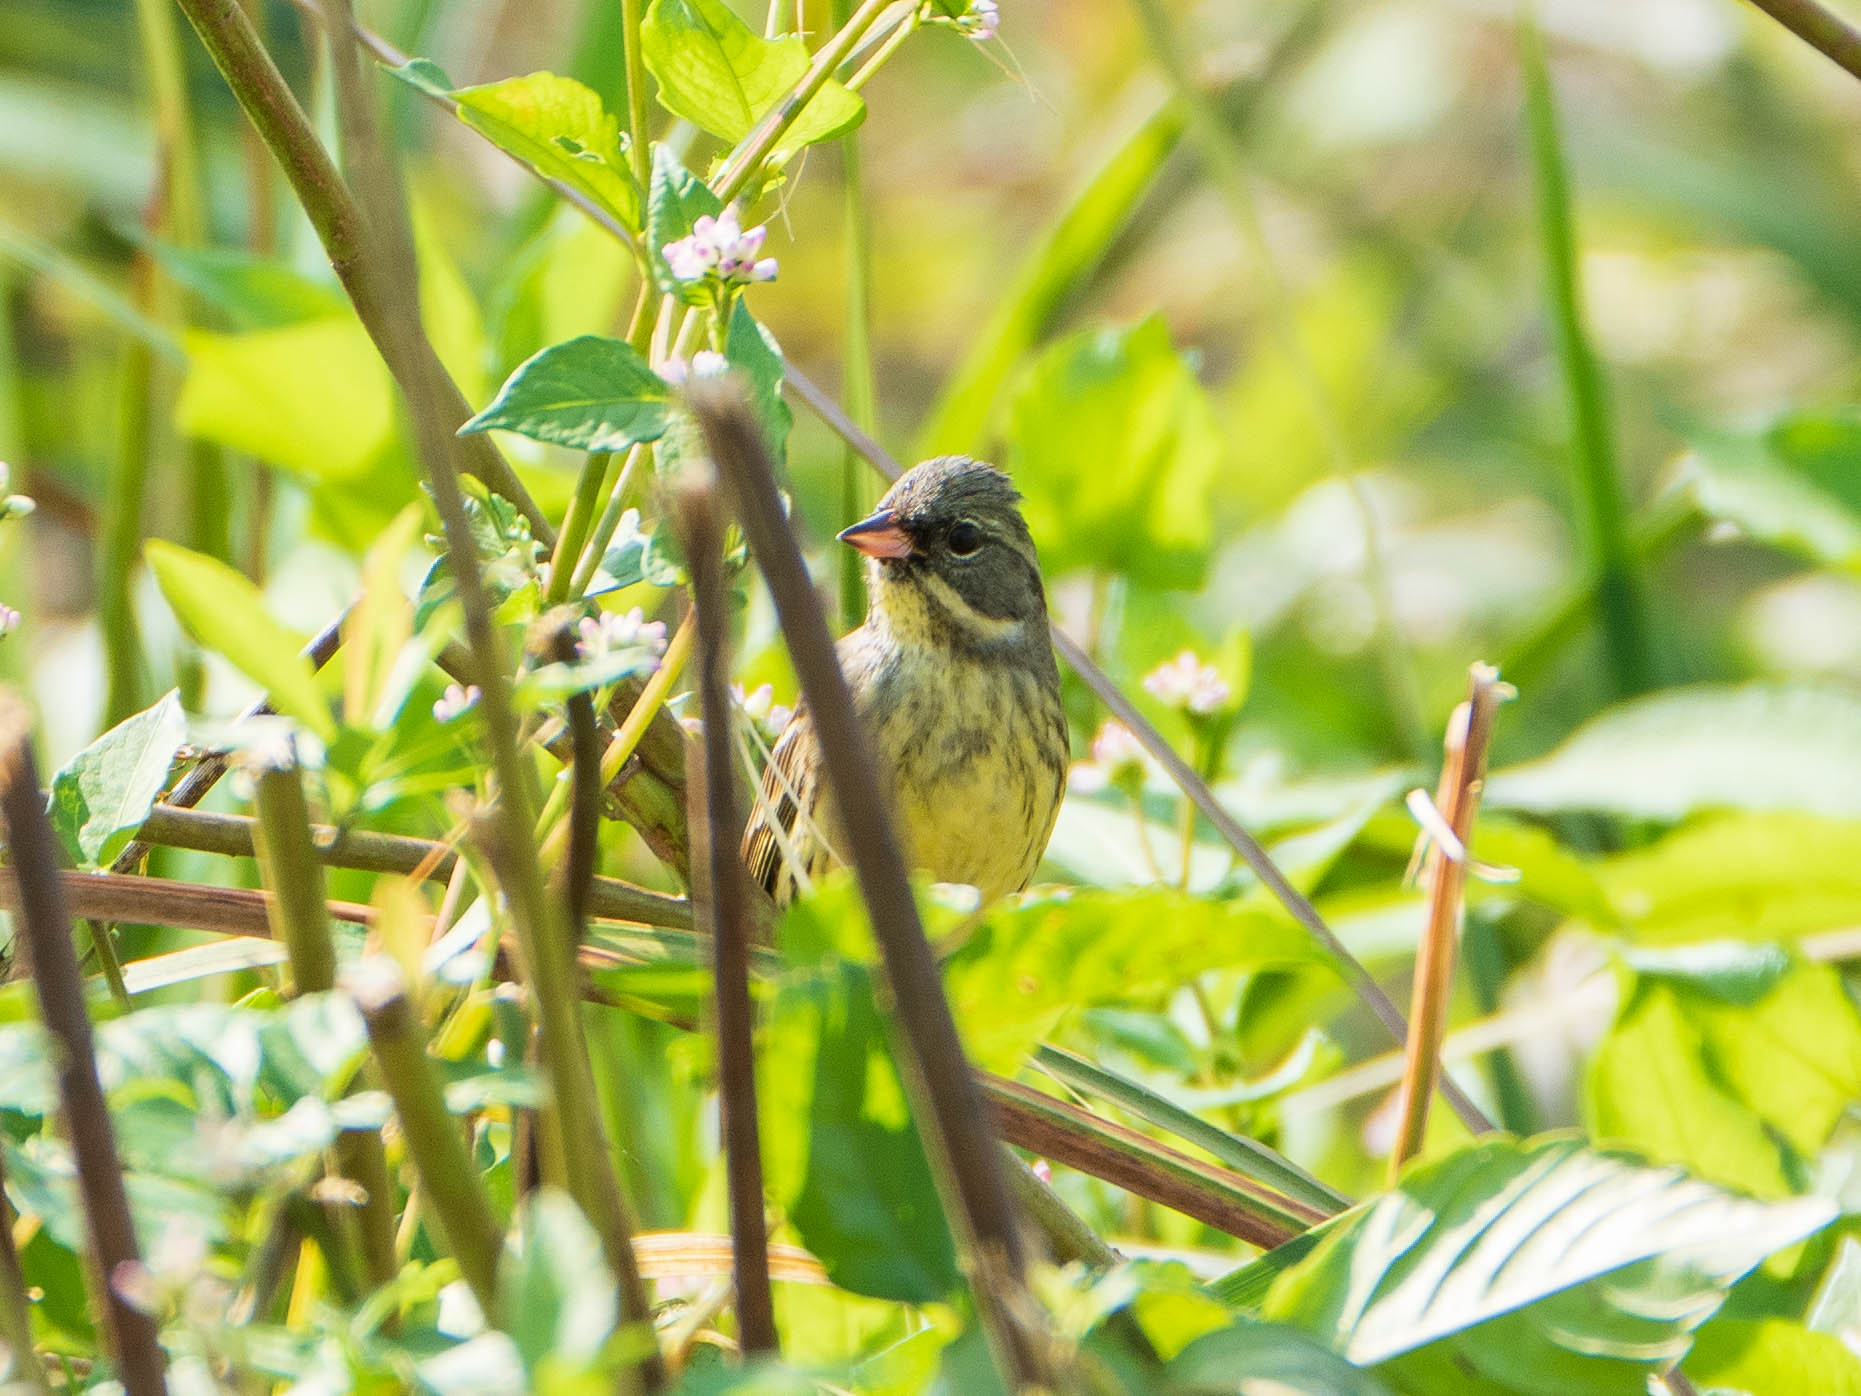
x,y
964,538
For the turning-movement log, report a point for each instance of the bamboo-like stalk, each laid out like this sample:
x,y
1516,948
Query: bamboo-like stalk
x,y
293,877
578,869
1457,797
1180,772
447,1178
857,388
942,1086
581,517
158,901
720,893
33,849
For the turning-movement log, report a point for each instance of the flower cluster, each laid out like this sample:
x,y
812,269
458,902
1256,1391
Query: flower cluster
x,y
1186,682
759,706
608,632
720,248
456,702
706,363
12,506
981,20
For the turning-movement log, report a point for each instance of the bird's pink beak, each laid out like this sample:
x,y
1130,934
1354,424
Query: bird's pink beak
x,y
879,536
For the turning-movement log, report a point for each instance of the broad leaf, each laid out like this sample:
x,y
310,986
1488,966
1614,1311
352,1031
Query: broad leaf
x,y
753,353
559,128
557,1290
1793,485
1116,448
1038,957
1757,746
722,76
1268,1357
1772,1355
592,393
101,796
250,291
225,613
1540,1254
863,1199
312,398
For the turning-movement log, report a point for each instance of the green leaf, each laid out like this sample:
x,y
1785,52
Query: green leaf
x,y
720,75
1265,1356
101,796
1650,1088
1587,1261
751,350
312,398
863,1199
1772,1357
560,1296
1756,746
252,292
1792,486
592,393
558,128
1116,448
225,613
676,200
1038,957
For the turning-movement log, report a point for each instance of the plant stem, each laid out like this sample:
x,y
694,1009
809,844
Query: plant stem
x,y
568,553
946,1100
447,1178
632,16
595,546
33,850
1068,1238
294,876
1457,797
856,381
1620,605
433,398
122,524
1184,777
233,835
720,892
157,901
887,47
103,941
578,869
1819,27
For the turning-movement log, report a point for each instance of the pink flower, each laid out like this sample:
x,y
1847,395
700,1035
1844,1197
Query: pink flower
x,y
606,632
1186,682
456,702
720,248
982,20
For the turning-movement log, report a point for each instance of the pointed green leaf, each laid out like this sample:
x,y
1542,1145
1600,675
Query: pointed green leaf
x,y
722,76
225,613
676,201
101,796
1772,1356
558,128
558,1291
592,393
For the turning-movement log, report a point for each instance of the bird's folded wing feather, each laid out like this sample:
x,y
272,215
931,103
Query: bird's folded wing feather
x,y
784,809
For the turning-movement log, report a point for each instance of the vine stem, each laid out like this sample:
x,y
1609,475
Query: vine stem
x,y
1819,27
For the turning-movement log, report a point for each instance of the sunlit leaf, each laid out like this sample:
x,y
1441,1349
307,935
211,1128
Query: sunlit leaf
x,y
1756,746
1115,446
676,200
592,393
101,796
1268,1356
722,76
312,397
1600,1264
1791,486
225,613
1772,1355
559,128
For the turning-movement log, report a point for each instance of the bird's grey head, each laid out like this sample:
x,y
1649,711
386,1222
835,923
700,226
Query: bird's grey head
x,y
953,525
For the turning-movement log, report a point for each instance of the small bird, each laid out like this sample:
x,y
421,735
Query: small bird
x,y
953,675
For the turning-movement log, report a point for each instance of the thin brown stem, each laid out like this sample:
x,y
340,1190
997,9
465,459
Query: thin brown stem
x,y
33,849
1457,798
363,849
721,896
22,1363
1180,772
157,901
945,1096
1819,27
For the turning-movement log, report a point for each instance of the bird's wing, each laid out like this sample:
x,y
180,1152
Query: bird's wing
x,y
781,825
